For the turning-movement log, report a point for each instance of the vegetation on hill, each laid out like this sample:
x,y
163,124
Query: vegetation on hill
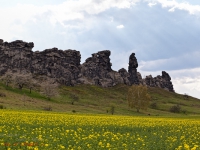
x,y
95,99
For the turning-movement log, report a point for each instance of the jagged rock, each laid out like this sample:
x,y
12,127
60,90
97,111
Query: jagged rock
x,y
97,70
54,63
1,41
61,65
166,81
163,81
132,69
141,81
64,66
125,76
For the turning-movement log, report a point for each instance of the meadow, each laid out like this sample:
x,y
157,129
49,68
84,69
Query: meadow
x,y
40,130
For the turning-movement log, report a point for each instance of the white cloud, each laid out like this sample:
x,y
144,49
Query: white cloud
x,y
186,60
173,5
120,26
69,10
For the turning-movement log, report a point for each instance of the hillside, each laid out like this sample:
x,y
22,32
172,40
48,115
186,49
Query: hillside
x,y
95,99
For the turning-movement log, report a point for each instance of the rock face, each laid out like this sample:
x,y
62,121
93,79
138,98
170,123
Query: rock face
x,y
97,70
65,68
163,81
132,69
18,56
15,56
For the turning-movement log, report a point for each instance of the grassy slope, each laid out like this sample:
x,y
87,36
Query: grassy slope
x,y
94,99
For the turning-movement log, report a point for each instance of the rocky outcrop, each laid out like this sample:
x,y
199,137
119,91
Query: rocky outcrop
x,y
65,68
97,70
18,56
132,69
163,81
15,56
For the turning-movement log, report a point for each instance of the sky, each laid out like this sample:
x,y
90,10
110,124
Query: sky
x,y
163,34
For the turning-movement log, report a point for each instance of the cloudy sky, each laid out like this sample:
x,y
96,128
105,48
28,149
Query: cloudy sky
x,y
164,34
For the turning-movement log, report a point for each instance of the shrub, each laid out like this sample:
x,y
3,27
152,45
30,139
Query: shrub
x,y
112,109
175,109
49,108
154,105
2,95
74,98
2,107
74,111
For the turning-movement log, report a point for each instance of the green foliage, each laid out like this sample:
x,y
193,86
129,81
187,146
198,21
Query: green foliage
x,y
48,108
112,109
2,107
95,99
153,105
175,109
138,97
2,94
74,98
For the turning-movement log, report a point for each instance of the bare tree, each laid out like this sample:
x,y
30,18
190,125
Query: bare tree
x,y
49,89
7,78
20,80
30,82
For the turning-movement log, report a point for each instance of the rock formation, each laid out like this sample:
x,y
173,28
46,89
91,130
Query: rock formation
x,y
132,69
65,68
97,70
18,56
163,81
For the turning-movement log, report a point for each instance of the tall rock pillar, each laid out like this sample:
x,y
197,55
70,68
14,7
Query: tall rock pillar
x,y
132,69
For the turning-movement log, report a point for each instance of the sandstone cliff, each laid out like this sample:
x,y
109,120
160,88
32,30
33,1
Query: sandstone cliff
x,y
65,68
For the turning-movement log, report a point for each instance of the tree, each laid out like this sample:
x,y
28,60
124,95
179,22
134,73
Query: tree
x,y
73,98
186,96
20,80
31,83
7,78
112,109
138,97
49,89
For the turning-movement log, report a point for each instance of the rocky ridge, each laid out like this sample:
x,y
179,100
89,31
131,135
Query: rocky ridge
x,y
64,66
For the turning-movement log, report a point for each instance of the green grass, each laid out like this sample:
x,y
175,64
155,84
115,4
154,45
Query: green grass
x,y
97,100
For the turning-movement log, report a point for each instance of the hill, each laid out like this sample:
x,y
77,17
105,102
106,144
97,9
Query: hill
x,y
96,99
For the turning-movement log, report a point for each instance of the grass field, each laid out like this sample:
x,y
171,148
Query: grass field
x,y
20,130
97,100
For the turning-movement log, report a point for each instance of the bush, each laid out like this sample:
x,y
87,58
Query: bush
x,y
175,109
74,98
74,111
2,95
2,107
112,109
154,105
49,108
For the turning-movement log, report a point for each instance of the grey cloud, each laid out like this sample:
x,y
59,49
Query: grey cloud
x,y
186,61
151,32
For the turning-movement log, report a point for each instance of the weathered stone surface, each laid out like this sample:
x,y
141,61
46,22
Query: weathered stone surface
x,y
1,41
65,68
97,70
166,81
125,76
163,81
132,69
17,56
54,63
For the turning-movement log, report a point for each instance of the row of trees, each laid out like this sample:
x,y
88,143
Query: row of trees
x,y
45,85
